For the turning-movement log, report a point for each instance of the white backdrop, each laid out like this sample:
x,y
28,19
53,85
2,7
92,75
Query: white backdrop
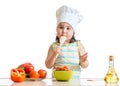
x,y
27,28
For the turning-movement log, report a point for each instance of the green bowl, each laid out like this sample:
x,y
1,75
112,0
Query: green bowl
x,y
62,75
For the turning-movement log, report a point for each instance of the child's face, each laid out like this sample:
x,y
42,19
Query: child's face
x,y
65,29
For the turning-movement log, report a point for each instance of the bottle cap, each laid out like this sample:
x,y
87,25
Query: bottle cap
x,y
111,58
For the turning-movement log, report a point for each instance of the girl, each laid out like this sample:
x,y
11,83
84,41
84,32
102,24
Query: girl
x,y
72,53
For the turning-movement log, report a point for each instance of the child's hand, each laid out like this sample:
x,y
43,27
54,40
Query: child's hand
x,y
84,61
57,50
83,58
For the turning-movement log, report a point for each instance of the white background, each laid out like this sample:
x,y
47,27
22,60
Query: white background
x,y
28,27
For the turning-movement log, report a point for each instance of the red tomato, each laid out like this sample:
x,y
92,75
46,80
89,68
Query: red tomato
x,y
17,75
62,68
42,73
58,68
65,68
24,64
28,67
34,74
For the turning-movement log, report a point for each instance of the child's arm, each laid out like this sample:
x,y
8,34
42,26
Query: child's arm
x,y
51,57
83,56
84,61
50,60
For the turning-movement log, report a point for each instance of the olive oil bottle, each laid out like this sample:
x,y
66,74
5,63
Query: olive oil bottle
x,y
111,76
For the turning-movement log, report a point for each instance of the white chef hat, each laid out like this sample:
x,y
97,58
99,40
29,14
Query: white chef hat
x,y
68,15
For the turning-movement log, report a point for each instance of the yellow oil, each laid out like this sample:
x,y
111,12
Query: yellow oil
x,y
111,76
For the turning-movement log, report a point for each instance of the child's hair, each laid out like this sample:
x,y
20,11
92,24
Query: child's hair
x,y
71,41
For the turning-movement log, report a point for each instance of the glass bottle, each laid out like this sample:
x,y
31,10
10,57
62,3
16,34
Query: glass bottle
x,y
111,76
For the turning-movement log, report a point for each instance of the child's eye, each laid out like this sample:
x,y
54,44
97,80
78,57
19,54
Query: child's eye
x,y
68,28
61,27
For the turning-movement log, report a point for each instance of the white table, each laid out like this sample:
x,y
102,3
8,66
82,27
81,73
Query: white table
x,y
53,82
